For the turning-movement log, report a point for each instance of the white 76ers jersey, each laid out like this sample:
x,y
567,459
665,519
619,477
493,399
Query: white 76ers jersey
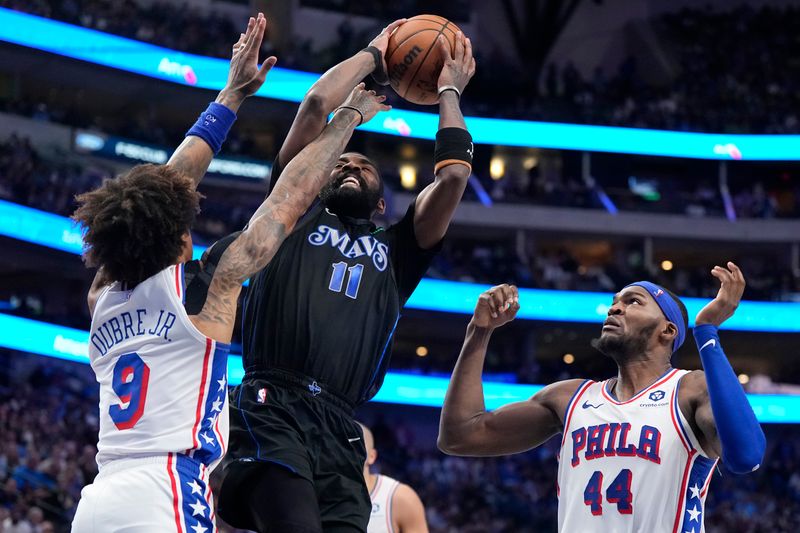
x,y
163,383
631,466
380,520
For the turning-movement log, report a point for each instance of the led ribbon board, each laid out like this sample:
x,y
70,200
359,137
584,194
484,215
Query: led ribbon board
x,y
119,148
60,342
211,73
53,231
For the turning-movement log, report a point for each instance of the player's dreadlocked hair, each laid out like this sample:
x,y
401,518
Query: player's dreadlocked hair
x,y
135,223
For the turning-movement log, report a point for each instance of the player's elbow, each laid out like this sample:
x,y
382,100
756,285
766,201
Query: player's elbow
x,y
746,459
315,104
451,443
455,175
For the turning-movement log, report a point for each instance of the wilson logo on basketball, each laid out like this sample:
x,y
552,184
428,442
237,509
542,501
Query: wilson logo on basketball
x,y
400,68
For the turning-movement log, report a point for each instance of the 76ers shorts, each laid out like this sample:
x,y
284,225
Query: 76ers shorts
x,y
166,493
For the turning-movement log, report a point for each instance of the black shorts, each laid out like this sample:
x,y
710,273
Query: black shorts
x,y
288,419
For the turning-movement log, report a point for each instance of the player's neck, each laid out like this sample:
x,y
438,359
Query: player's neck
x,y
371,480
633,376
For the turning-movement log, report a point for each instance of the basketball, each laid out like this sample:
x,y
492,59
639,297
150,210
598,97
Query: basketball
x,y
413,60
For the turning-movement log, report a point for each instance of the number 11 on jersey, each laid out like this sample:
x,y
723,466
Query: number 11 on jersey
x,y
354,281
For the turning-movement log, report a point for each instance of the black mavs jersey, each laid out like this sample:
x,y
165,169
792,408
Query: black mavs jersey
x,y
328,303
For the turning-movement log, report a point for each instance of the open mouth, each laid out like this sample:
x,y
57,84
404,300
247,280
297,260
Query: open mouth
x,y
350,179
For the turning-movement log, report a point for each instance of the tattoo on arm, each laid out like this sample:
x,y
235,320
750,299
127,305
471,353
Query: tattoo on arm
x,y
192,158
298,185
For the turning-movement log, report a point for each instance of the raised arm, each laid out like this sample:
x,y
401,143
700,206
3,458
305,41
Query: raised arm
x,y
714,401
245,77
437,203
330,90
294,192
466,427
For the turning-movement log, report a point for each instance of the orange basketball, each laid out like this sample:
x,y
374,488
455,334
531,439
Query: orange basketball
x,y
414,61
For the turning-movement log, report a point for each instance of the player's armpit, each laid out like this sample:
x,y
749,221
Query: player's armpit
x,y
408,511
695,405
99,283
246,255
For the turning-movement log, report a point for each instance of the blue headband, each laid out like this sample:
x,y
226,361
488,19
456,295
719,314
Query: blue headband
x,y
668,306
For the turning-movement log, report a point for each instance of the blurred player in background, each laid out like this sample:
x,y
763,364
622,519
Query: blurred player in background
x,y
395,506
638,450
161,322
318,322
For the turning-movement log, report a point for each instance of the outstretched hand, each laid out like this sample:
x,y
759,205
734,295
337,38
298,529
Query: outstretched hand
x,y
381,41
459,66
730,293
497,306
366,102
244,76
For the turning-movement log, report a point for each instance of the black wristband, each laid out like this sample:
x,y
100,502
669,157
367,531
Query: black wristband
x,y
357,110
453,145
378,73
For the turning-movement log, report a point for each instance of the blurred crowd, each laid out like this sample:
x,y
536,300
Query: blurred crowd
x,y
558,268
50,184
48,424
48,435
713,82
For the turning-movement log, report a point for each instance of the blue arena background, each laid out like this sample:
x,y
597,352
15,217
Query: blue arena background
x,y
54,231
72,344
290,85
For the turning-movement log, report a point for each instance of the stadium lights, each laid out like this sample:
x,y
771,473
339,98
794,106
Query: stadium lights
x,y
408,176
497,168
54,231
211,73
41,338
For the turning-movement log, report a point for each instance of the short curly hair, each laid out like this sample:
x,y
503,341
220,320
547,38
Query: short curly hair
x,y
134,224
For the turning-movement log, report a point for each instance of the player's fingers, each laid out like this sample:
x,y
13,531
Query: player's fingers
x,y
507,296
380,98
491,303
499,301
394,25
724,275
467,52
458,56
257,35
485,300
385,107
737,272
444,48
266,66
238,43
248,35
515,293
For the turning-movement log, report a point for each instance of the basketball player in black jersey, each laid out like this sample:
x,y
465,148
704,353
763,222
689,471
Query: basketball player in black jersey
x,y
318,321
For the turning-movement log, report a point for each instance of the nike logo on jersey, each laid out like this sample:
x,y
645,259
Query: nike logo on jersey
x,y
712,342
587,405
352,248
354,439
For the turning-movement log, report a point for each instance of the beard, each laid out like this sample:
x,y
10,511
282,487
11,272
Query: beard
x,y
348,201
624,347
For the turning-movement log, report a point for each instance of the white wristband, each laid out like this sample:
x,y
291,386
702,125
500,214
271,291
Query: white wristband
x,y
444,88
